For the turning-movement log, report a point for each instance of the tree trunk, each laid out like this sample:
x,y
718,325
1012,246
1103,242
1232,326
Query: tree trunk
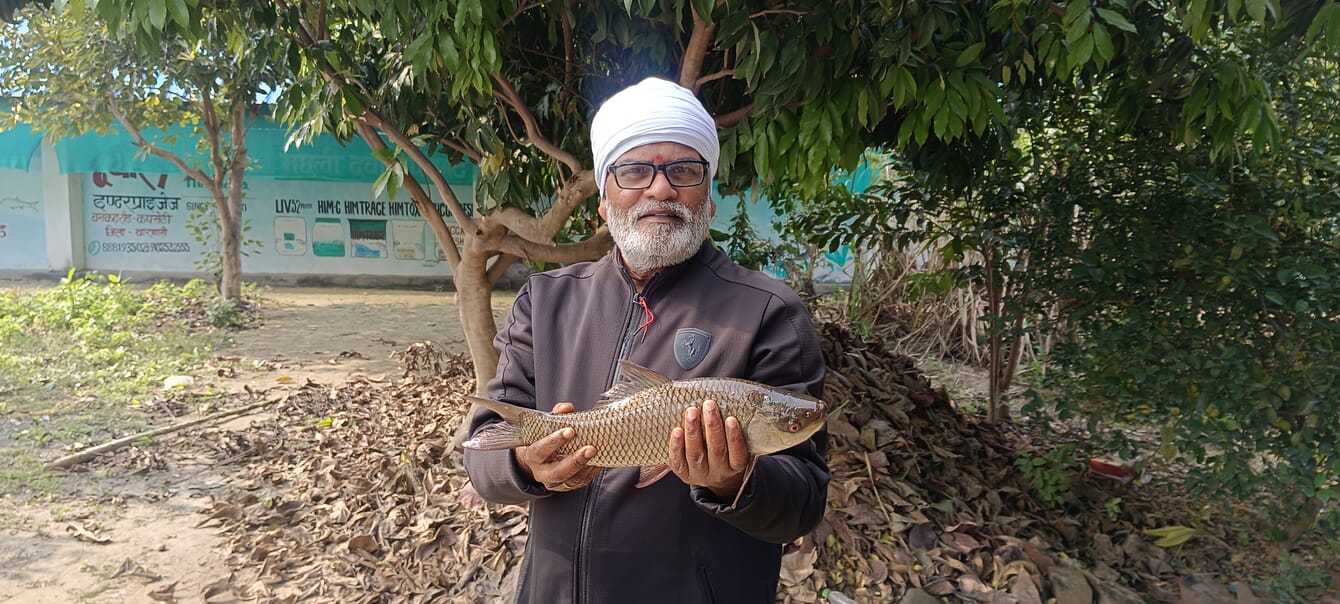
x,y
474,300
230,244
230,282
1293,528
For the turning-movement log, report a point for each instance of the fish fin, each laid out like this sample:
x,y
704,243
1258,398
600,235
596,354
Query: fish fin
x,y
505,435
651,474
633,378
496,437
749,471
507,411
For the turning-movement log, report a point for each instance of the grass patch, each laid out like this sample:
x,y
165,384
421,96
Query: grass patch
x,y
78,359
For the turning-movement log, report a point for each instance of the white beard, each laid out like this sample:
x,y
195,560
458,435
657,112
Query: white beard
x,y
649,247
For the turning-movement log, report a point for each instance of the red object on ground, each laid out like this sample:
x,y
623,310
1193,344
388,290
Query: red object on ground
x,y
1116,470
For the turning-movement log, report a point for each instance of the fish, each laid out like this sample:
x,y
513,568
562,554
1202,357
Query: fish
x,y
630,426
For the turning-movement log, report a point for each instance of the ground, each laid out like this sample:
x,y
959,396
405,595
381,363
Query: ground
x,y
137,526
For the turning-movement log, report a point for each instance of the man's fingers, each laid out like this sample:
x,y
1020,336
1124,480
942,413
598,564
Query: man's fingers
x,y
714,432
694,451
739,449
676,462
573,464
564,408
541,450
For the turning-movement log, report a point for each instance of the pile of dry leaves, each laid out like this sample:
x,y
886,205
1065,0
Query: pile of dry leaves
x,y
352,495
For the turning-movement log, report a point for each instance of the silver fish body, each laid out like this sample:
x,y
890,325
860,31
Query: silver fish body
x,y
631,426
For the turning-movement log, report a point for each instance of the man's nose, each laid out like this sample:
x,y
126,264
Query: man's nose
x,y
660,188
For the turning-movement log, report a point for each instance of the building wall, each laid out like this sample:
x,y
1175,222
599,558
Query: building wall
x,y
23,242
149,224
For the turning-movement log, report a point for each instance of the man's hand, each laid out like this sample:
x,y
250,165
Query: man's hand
x,y
541,461
709,451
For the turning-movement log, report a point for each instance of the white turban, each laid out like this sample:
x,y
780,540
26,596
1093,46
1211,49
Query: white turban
x,y
652,111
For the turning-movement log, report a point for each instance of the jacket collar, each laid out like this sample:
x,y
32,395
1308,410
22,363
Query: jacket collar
x,y
668,274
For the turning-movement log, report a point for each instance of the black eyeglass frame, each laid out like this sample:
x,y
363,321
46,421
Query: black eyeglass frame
x,y
658,168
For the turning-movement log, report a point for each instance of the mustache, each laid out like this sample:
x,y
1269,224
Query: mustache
x,y
658,207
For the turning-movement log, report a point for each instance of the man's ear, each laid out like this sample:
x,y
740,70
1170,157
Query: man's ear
x,y
601,209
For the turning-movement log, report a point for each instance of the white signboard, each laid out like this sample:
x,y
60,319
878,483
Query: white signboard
x,y
139,221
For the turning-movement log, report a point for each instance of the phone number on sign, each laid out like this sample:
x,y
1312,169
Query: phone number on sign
x,y
140,247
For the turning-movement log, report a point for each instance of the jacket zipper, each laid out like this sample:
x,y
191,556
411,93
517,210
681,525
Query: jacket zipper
x,y
630,330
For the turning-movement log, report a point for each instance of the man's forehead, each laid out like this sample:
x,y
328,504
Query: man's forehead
x,y
660,153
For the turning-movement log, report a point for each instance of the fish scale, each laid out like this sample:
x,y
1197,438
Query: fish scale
x,y
631,426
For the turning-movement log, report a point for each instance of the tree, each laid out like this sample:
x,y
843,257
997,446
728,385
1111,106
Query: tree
x,y
75,73
511,88
798,89
1204,292
1179,236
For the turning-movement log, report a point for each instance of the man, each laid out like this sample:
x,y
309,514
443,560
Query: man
x,y
668,300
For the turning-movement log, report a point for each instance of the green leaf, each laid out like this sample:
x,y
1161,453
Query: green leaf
x,y
704,9
1102,44
1083,52
1172,536
1257,10
1275,297
181,14
969,54
379,185
1074,10
158,13
1115,19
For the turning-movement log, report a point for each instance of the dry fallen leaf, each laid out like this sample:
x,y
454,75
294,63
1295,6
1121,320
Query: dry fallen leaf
x,y
356,493
135,569
219,587
164,593
85,535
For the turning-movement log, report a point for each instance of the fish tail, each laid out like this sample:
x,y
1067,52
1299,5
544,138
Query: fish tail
x,y
504,435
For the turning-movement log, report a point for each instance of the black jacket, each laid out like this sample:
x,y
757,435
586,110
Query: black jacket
x,y
610,542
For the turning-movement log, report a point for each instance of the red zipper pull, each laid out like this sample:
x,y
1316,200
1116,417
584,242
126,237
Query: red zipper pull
x,y
647,315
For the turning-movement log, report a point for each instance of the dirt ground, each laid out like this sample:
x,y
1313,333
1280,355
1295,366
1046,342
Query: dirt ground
x,y
122,537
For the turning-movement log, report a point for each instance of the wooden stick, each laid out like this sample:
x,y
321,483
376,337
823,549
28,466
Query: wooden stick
x,y
90,453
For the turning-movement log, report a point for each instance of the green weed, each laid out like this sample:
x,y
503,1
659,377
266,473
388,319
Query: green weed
x,y
73,357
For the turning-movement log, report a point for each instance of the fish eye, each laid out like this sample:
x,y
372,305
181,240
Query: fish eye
x,y
793,426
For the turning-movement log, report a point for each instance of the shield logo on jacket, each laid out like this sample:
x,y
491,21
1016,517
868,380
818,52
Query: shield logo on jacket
x,y
691,346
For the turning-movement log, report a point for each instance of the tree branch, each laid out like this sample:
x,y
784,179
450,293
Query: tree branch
x,y
730,119
533,135
407,146
213,127
195,173
515,220
499,267
724,73
237,167
594,247
777,11
517,13
691,66
578,188
421,199
460,147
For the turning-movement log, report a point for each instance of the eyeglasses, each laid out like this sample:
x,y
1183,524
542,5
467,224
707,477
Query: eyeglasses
x,y
637,175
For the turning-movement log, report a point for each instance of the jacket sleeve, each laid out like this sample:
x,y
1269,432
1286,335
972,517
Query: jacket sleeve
x,y
495,474
785,496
